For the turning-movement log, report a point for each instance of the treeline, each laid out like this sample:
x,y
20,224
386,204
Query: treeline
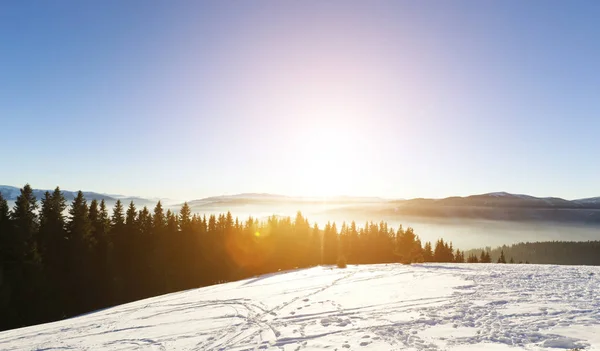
x,y
550,252
54,266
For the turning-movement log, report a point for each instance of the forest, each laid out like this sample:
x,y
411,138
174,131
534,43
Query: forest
x,y
548,252
59,260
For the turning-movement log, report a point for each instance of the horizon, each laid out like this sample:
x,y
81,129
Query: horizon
x,y
160,198
314,99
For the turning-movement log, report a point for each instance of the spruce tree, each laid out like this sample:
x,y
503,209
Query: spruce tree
x,y
330,244
25,268
316,248
6,234
427,252
25,222
7,259
185,217
118,219
81,244
158,218
502,259
53,247
100,225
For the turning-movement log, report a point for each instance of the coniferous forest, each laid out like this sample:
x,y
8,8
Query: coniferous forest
x,y
59,260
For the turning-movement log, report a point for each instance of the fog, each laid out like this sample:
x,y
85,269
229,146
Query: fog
x,y
464,233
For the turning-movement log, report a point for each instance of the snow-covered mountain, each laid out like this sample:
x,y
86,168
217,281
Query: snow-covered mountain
x,y
455,307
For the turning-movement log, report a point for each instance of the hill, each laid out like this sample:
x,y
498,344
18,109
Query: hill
x,y
372,307
10,193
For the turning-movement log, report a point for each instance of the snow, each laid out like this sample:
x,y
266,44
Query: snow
x,y
456,307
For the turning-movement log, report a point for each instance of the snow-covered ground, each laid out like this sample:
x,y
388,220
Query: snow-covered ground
x,y
377,307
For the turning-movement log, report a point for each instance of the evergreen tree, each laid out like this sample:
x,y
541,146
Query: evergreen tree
x,y
25,222
80,248
488,257
159,219
354,249
427,252
24,266
185,217
502,259
101,256
330,244
118,220
7,260
5,233
316,247
53,244
131,218
472,258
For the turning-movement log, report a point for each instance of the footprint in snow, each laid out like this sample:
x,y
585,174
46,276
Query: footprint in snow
x,y
305,300
364,343
346,346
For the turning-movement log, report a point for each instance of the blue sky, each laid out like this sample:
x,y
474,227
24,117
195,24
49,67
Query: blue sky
x,y
186,99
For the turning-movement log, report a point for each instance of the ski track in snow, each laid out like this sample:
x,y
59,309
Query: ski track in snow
x,y
378,307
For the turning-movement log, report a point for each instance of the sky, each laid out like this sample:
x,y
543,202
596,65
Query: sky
x,y
397,99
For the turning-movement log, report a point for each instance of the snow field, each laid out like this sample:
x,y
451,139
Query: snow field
x,y
373,307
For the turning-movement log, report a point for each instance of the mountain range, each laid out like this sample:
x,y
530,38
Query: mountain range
x,y
498,206
496,199
10,193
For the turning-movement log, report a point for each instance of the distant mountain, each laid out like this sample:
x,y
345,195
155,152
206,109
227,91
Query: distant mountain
x,y
501,206
502,199
265,198
10,193
592,201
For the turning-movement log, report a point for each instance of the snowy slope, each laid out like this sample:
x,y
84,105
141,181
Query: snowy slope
x,y
378,307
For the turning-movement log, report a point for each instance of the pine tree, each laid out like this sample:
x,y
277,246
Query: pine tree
x,y
81,243
330,244
53,245
185,217
131,219
472,258
511,260
459,257
488,257
7,259
427,252
502,259
24,271
101,256
158,219
118,220
316,248
5,233
25,222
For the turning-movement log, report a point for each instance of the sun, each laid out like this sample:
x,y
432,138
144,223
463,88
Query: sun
x,y
329,151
